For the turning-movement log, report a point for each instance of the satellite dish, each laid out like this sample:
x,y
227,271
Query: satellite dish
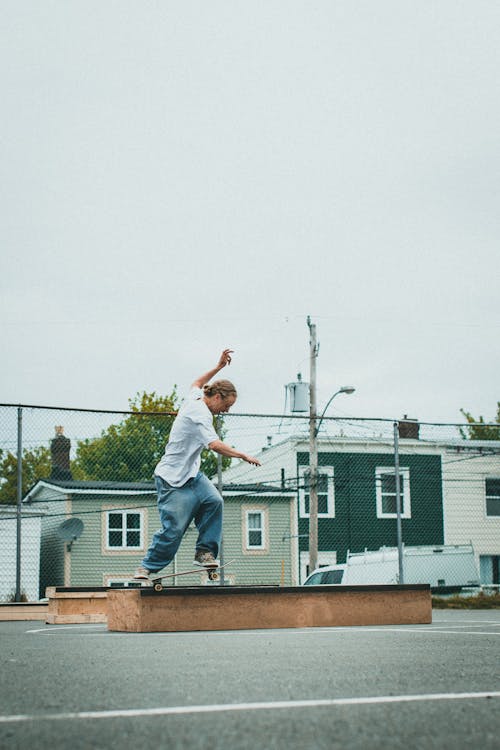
x,y
70,530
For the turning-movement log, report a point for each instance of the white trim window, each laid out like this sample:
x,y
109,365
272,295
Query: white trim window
x,y
121,583
124,529
255,529
492,493
326,492
385,484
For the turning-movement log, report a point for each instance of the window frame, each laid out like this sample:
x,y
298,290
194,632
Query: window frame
x,y
329,472
124,512
248,530
490,497
404,471
116,582
263,510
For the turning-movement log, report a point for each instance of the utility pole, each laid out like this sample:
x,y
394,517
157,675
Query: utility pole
x,y
313,452
399,532
19,498
219,487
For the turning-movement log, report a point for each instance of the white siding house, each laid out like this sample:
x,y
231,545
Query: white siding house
x,y
471,486
30,553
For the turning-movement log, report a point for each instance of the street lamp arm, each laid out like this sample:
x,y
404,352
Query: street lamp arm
x,y
344,389
324,411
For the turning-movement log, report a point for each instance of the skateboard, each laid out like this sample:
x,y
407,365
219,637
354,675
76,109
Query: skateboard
x,y
212,571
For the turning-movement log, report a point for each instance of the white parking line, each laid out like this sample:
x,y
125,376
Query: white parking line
x,y
453,622
479,624
264,706
434,631
422,629
87,626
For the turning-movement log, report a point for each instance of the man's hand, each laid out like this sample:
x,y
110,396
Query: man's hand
x,y
226,450
225,358
251,460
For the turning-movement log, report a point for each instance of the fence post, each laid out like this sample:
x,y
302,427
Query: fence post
x,y
398,504
218,428
313,453
19,497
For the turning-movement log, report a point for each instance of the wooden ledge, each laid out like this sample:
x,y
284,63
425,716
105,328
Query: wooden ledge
x,y
214,589
69,605
186,608
11,611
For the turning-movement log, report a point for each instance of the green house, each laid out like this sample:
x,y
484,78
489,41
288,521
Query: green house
x,y
357,493
357,501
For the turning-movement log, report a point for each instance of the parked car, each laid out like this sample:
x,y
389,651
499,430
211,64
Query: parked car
x,y
444,567
331,574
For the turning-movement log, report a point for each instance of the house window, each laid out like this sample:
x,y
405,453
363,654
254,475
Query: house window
x,y
385,483
124,529
325,488
489,569
255,529
493,497
122,584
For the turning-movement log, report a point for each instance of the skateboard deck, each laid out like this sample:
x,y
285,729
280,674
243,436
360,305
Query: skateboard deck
x,y
212,571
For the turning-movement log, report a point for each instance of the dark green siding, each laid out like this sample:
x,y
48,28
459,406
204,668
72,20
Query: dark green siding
x,y
356,526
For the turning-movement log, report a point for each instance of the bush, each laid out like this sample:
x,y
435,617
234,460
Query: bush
x,y
480,601
11,598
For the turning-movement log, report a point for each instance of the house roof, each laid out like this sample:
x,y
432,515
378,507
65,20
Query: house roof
x,y
84,487
10,511
329,441
81,487
255,488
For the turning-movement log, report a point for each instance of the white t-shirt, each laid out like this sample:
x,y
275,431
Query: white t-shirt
x,y
192,431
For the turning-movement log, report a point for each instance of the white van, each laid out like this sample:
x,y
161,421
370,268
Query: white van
x,y
442,566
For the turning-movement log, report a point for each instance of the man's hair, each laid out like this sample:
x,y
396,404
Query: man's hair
x,y
223,387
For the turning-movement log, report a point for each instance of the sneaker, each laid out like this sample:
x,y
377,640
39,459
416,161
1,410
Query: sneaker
x,y
142,574
205,558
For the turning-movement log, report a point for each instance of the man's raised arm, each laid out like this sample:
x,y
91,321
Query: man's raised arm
x,y
224,359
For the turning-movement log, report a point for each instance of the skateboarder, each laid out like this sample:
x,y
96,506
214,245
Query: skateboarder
x,y
184,493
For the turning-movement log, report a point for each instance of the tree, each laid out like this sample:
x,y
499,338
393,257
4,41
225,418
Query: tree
x,y
479,429
36,464
130,450
127,451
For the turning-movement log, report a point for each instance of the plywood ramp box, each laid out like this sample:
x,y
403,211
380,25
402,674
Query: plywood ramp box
x,y
23,611
242,608
76,605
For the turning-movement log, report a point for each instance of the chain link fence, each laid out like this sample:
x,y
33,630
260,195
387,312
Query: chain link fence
x,y
390,501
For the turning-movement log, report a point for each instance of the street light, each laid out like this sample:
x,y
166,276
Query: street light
x,y
313,456
345,389
313,445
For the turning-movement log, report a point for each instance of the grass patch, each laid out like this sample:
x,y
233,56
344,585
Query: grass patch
x,y
480,601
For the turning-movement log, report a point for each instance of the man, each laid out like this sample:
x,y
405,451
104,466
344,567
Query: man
x,y
184,493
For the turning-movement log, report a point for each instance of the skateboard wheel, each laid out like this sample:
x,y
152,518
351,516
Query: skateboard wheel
x,y
213,575
158,587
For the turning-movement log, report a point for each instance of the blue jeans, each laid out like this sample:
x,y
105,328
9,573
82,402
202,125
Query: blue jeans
x,y
198,499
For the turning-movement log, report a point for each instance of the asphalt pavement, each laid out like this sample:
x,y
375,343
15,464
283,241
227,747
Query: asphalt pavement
x,y
422,686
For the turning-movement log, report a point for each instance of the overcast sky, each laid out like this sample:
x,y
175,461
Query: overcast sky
x,y
178,177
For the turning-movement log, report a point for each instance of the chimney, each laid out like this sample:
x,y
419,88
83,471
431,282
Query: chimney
x,y
59,450
408,428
